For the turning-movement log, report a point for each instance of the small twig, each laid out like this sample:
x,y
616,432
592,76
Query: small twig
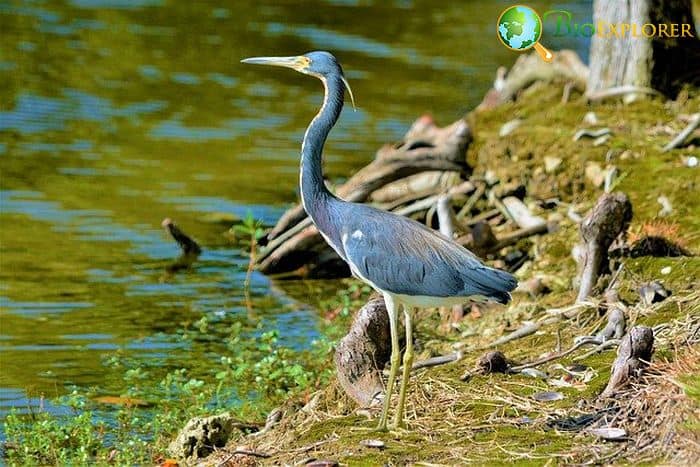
x,y
409,198
571,310
283,237
439,360
311,446
599,348
420,205
514,237
549,358
683,135
496,201
244,452
480,190
484,216
523,331
573,215
620,91
566,94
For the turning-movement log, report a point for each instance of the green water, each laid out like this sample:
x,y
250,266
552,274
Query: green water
x,y
115,114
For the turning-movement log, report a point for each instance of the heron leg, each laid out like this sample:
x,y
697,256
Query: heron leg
x,y
407,364
392,310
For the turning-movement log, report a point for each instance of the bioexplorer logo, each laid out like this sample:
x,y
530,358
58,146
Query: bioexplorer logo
x,y
519,28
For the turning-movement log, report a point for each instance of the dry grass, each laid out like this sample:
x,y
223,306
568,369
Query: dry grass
x,y
660,414
493,419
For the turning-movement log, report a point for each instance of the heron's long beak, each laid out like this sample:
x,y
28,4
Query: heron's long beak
x,y
299,63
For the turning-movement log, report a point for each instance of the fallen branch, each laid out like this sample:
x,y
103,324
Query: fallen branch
x,y
524,331
618,91
446,216
435,361
683,135
549,358
471,202
243,452
184,241
599,348
514,237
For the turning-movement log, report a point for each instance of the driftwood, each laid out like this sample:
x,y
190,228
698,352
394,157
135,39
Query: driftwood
x,y
363,352
609,218
566,67
436,361
680,139
416,186
620,91
525,330
294,242
633,356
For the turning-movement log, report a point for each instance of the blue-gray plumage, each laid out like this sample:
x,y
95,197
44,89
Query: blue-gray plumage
x,y
410,264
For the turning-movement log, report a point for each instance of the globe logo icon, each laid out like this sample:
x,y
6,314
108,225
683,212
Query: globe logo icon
x,y
520,28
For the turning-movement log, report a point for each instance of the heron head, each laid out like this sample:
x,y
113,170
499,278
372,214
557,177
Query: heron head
x,y
322,65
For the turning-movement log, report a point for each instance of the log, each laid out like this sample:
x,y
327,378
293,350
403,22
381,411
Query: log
x,y
426,182
608,219
633,356
662,63
363,352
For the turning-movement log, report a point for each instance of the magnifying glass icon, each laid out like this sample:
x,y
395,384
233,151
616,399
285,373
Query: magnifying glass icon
x,y
520,28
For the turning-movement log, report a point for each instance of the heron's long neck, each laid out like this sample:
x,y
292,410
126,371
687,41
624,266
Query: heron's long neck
x,y
313,189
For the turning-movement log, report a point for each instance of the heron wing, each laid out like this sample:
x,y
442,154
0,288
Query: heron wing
x,y
402,256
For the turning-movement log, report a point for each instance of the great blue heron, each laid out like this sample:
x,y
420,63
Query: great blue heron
x,y
408,263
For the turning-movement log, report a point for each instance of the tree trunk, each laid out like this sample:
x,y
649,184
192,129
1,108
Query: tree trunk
x,y
660,62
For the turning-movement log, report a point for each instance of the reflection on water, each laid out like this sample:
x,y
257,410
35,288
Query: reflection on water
x,y
115,114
